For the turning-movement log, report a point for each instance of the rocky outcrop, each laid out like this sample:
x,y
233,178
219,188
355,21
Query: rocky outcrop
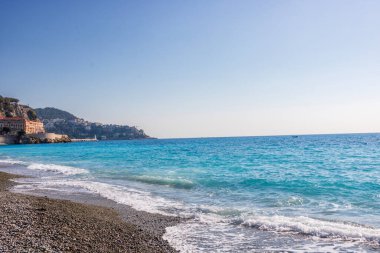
x,y
8,139
9,107
35,139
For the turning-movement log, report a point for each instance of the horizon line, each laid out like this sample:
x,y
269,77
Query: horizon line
x,y
276,135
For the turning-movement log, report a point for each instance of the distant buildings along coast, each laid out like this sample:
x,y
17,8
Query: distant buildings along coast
x,y
23,124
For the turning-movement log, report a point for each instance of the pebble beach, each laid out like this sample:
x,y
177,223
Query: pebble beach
x,y
41,224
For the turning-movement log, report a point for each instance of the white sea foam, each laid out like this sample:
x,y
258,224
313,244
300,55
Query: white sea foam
x,y
249,233
314,227
11,161
145,201
139,200
273,234
60,169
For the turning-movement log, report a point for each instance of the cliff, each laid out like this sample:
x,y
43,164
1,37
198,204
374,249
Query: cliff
x,y
9,107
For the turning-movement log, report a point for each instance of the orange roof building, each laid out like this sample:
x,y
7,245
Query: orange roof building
x,y
17,124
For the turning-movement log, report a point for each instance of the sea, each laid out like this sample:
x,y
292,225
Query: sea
x,y
307,193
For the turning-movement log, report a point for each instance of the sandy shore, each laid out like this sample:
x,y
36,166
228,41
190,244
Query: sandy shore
x,y
41,224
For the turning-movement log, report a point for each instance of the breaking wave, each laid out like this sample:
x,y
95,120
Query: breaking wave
x,y
60,169
314,227
171,182
139,200
11,161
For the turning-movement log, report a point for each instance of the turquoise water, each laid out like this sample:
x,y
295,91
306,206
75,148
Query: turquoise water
x,y
305,193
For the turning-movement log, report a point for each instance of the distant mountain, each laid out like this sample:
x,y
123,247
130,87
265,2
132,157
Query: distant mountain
x,y
50,113
62,122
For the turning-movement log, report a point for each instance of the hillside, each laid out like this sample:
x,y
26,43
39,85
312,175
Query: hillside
x,y
62,122
9,107
50,113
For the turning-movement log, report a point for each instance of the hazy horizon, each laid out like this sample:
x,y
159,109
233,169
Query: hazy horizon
x,y
198,68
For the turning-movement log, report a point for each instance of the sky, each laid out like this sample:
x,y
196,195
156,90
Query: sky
x,y
198,68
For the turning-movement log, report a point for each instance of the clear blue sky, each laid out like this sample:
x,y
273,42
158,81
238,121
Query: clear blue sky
x,y
199,67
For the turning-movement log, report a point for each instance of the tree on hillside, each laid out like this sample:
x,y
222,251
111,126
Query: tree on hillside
x,y
32,115
13,100
8,114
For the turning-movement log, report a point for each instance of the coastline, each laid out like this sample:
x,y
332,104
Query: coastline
x,y
81,224
225,202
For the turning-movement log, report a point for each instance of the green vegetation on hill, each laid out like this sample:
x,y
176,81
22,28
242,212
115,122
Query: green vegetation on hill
x,y
9,107
50,113
62,122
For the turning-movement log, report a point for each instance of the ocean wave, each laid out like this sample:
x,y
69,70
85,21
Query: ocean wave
x,y
314,227
184,235
212,215
11,161
190,237
172,182
139,200
61,169
272,233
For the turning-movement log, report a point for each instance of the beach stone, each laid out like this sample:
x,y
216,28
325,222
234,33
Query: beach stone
x,y
40,224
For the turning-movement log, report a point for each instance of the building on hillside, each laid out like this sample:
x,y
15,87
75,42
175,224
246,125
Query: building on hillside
x,y
17,124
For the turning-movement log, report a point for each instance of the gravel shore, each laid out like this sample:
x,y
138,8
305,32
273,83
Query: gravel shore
x,y
41,224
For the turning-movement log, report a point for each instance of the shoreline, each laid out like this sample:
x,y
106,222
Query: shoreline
x,y
76,223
